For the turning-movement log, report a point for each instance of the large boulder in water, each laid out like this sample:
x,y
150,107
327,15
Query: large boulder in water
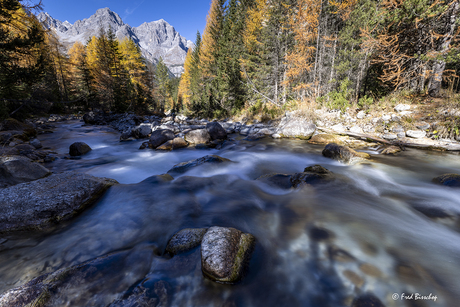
x,y
450,180
160,136
343,153
199,136
185,240
216,131
18,169
79,149
175,143
185,166
42,203
142,131
296,127
225,253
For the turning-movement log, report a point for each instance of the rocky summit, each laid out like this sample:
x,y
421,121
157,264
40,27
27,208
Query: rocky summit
x,y
156,39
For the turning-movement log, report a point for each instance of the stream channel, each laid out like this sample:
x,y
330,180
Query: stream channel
x,y
321,245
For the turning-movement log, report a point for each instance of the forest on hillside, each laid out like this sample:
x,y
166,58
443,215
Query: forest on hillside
x,y
253,54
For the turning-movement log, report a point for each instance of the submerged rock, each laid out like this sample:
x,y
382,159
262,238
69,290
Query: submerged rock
x,y
450,180
79,149
343,153
42,203
185,240
185,166
216,131
199,136
225,253
18,169
315,174
160,136
279,180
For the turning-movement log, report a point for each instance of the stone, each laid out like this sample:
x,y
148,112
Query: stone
x,y
296,127
402,107
422,125
389,136
185,240
398,129
216,131
40,204
386,118
276,136
225,253
36,143
142,131
343,153
395,118
11,124
324,138
282,181
18,169
175,143
390,150
160,136
312,175
79,149
338,128
356,129
186,166
450,180
361,115
199,136
416,134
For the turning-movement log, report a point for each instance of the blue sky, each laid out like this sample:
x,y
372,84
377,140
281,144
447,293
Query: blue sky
x,y
186,16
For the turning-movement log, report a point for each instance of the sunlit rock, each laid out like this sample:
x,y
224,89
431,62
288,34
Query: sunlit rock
x,y
199,136
296,127
225,253
343,153
175,143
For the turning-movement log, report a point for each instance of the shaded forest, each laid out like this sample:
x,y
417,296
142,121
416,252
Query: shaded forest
x,y
253,53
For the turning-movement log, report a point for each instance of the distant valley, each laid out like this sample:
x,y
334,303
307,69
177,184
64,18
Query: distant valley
x,y
156,39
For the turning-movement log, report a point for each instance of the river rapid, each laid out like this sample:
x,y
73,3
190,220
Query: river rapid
x,y
321,245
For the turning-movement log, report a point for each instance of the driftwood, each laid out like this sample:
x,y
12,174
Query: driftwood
x,y
400,143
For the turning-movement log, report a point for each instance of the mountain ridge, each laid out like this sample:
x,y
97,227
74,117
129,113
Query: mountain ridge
x,y
155,38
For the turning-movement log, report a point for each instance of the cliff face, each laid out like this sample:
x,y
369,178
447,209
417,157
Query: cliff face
x,y
156,39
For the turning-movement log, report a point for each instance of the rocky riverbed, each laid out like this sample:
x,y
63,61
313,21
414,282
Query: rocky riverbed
x,y
253,214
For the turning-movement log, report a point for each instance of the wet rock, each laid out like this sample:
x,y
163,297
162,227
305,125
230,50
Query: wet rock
x,y
324,138
17,169
343,153
185,240
279,180
225,253
144,145
432,212
79,149
199,136
296,127
175,143
216,131
142,131
450,180
81,285
319,234
42,203
186,166
390,150
126,135
160,136
36,143
416,134
312,175
92,118
367,300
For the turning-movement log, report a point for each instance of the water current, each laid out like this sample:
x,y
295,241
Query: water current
x,y
316,246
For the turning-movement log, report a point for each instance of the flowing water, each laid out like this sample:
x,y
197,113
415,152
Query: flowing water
x,y
316,246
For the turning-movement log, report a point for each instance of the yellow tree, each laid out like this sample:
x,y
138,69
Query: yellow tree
x,y
184,93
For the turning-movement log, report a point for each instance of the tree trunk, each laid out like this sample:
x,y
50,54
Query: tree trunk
x,y
440,65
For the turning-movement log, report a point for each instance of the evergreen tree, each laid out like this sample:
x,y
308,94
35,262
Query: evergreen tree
x,y
163,88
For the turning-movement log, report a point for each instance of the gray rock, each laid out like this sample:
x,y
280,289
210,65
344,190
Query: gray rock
x,y
422,126
401,135
416,134
175,143
389,136
42,203
216,131
186,166
225,253
402,107
356,129
245,130
126,135
386,118
142,131
312,175
294,127
361,115
36,143
450,180
18,169
79,148
200,136
390,150
160,136
338,128
398,129
185,240
343,153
